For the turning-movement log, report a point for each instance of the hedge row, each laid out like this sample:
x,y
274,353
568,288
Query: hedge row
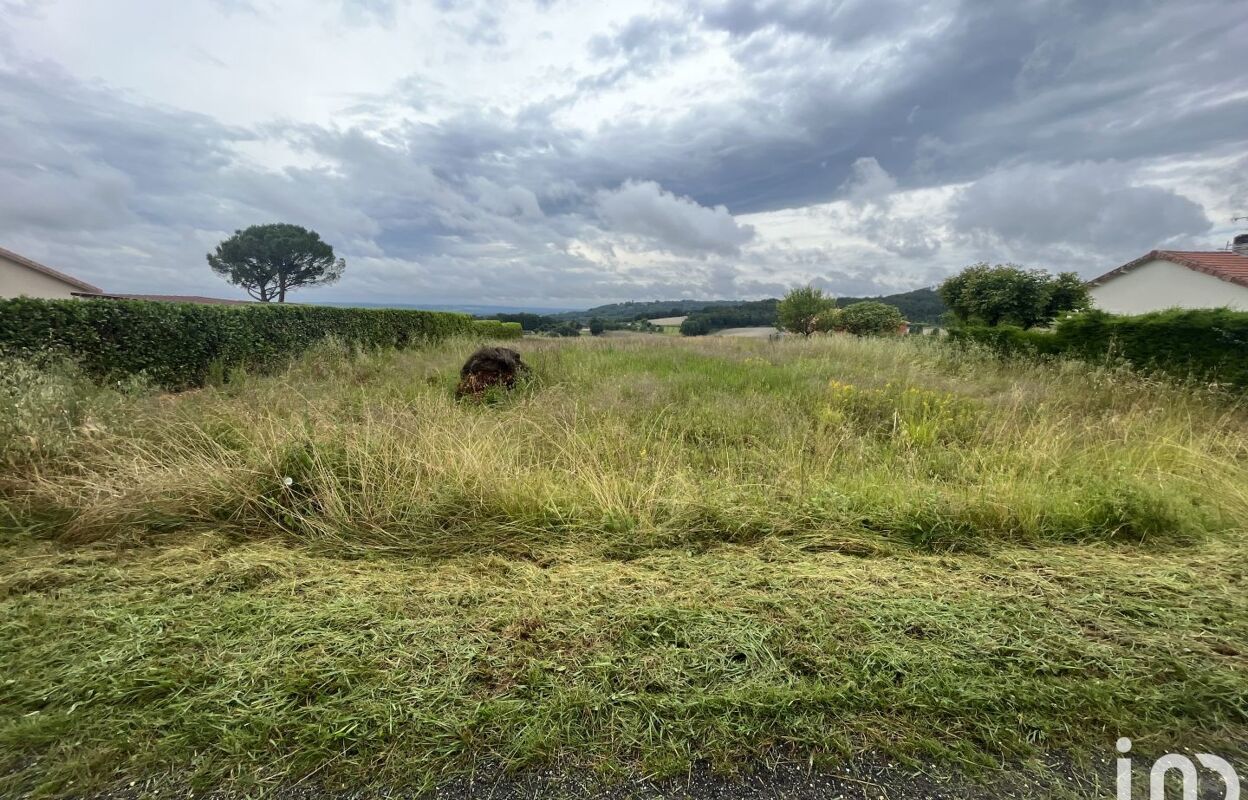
x,y
494,329
177,344
1207,344
1008,339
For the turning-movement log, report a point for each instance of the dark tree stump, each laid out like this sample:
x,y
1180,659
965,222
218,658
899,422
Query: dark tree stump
x,y
489,366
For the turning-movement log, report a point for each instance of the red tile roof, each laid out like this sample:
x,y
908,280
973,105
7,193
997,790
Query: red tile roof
x,y
1224,264
37,267
163,298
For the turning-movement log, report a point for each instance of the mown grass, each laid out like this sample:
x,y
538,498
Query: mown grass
x,y
656,551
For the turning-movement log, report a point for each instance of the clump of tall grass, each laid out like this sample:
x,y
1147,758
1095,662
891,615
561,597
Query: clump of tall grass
x,y
47,406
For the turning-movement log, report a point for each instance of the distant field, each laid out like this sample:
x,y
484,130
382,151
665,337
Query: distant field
x,y
658,551
747,333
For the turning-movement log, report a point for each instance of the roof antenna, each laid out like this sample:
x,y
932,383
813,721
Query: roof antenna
x,y
1240,243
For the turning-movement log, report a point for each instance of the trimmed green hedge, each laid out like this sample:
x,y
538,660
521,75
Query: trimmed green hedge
x,y
493,329
177,344
1206,344
1008,339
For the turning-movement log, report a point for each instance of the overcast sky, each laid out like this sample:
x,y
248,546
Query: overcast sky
x,y
566,153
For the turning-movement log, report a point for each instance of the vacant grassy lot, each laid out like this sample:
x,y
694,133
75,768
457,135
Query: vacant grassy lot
x,y
657,551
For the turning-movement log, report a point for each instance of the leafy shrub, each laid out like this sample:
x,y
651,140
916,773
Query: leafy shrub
x,y
801,308
1008,339
494,329
697,325
869,318
565,329
1206,344
1209,344
176,345
828,320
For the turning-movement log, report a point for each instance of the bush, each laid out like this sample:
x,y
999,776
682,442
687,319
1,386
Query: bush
x,y
1008,339
1206,344
800,309
829,320
176,345
494,329
567,328
695,326
869,318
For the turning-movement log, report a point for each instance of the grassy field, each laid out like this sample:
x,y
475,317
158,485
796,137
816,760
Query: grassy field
x,y
657,551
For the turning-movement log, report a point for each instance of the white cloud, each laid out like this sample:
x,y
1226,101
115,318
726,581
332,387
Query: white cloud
x,y
872,211
667,222
868,182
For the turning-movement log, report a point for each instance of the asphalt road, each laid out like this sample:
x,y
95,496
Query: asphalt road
x,y
864,779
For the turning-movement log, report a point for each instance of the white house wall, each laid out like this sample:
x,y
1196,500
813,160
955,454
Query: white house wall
x,y
1159,284
17,280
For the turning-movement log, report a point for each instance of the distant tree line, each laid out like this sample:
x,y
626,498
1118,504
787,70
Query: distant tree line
x,y
550,325
980,294
542,323
920,305
663,313
635,311
742,315
528,322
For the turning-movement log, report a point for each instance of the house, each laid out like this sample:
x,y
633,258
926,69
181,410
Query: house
x,y
22,277
1176,279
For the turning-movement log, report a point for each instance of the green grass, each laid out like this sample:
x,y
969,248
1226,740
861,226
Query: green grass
x,y
657,551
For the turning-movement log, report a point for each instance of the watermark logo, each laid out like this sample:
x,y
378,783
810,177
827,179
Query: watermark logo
x,y
1181,764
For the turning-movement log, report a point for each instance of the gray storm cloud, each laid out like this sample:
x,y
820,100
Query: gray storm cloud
x,y
1093,205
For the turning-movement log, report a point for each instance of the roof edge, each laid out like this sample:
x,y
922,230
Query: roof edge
x,y
46,270
1173,257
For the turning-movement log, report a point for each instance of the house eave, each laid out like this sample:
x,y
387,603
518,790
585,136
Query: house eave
x,y
1171,257
18,258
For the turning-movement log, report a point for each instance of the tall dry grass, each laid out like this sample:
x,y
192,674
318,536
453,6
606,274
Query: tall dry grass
x,y
634,444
